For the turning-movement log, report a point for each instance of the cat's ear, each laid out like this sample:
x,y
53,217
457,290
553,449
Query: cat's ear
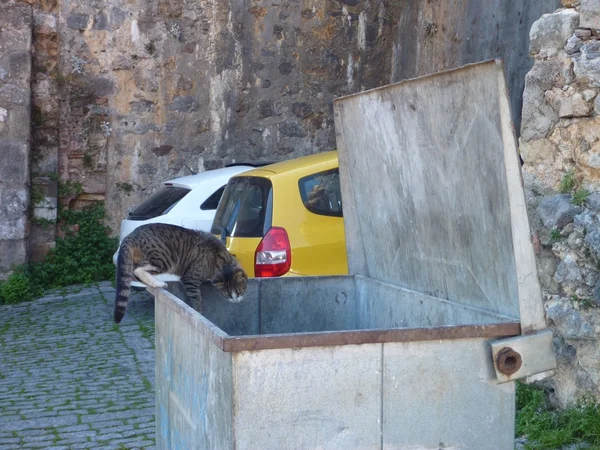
x,y
240,277
238,273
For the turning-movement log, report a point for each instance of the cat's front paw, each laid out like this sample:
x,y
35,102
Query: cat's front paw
x,y
161,284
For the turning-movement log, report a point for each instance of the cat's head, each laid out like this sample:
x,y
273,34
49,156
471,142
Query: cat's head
x,y
231,282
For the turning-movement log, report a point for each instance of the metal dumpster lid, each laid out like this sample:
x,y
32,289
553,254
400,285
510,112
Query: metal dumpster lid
x,y
432,191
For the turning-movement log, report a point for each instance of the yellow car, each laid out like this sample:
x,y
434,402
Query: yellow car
x,y
285,219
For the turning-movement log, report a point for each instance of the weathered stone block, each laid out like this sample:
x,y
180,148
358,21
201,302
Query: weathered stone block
x,y
94,184
568,320
44,23
39,250
537,150
546,265
18,123
538,117
573,45
548,73
13,211
587,66
291,129
265,108
582,33
184,104
46,209
593,201
17,21
12,252
585,220
19,64
557,211
117,17
592,239
142,106
14,163
590,14
549,33
13,94
101,87
78,21
568,271
101,21
569,103
302,109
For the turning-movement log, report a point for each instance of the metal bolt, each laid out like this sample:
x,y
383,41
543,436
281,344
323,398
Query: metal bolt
x,y
508,361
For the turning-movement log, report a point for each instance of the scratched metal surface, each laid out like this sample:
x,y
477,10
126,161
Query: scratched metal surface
x,y
442,394
308,398
423,177
382,305
318,304
193,381
392,395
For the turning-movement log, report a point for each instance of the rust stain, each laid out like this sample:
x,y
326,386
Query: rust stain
x,y
508,361
258,12
318,71
327,32
537,245
330,338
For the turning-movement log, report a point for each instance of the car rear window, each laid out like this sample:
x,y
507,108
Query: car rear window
x,y
245,209
159,203
212,202
321,193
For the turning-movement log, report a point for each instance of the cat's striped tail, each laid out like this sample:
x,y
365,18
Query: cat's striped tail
x,y
124,277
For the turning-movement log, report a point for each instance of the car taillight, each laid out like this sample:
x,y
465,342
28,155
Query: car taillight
x,y
273,256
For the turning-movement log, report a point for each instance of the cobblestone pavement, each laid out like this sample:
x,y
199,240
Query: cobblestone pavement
x,y
70,378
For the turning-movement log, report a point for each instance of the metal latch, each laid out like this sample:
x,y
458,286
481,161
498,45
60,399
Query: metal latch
x,y
528,357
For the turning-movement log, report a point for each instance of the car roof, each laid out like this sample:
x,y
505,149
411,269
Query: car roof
x,y
302,162
191,181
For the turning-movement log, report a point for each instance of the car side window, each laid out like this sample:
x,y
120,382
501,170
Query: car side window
x,y
321,193
213,201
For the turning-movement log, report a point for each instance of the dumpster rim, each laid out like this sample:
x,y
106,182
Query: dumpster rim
x,y
370,336
248,342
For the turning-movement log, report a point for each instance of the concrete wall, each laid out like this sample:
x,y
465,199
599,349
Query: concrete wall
x,y
15,77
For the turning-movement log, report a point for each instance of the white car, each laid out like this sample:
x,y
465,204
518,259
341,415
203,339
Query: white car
x,y
190,202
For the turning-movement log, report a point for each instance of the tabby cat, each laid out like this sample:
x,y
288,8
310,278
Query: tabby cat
x,y
195,256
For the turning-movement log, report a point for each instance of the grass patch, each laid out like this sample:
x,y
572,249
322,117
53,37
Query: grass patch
x,y
82,256
568,182
147,383
580,196
546,427
555,236
146,330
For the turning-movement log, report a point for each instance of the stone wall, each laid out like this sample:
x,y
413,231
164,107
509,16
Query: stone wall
x,y
45,111
127,94
560,147
155,87
15,78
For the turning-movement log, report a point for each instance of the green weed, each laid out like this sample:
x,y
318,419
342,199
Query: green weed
x,y
546,427
82,256
568,182
580,196
555,236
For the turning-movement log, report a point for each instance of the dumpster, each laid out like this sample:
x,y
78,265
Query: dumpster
x,y
420,346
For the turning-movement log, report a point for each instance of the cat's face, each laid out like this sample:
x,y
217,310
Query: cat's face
x,y
231,282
